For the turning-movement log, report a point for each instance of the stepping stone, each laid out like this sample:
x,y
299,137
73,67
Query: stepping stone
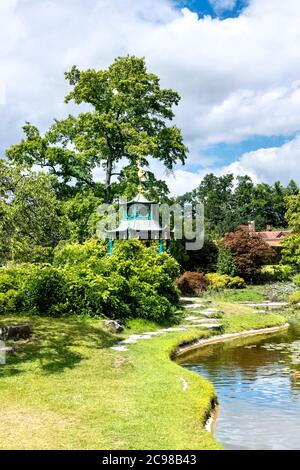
x,y
190,299
192,306
210,326
204,320
191,318
211,310
208,314
119,348
129,341
153,333
173,329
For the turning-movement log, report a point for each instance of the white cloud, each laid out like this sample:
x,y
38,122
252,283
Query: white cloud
x,y
263,165
222,5
237,77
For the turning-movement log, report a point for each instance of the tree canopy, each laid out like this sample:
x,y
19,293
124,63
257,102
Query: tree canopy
x,y
127,118
231,202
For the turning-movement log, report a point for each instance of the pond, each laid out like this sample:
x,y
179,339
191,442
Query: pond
x,y
258,389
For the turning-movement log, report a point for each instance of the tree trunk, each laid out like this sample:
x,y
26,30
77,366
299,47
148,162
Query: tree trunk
x,y
109,168
15,332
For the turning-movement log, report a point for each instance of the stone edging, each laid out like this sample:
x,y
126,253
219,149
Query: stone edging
x,y
198,343
201,342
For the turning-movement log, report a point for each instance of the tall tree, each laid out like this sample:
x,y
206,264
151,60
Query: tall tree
x,y
128,120
291,244
31,217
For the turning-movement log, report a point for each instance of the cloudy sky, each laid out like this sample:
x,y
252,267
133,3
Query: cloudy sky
x,y
235,63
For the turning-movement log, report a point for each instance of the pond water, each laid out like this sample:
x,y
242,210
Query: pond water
x,y
258,389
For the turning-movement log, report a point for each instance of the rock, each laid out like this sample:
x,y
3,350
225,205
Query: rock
x,y
113,325
15,332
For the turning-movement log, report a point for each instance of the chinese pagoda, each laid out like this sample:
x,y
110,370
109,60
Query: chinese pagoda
x,y
139,220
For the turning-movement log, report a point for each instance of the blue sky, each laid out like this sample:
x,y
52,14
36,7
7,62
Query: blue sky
x,y
236,65
205,7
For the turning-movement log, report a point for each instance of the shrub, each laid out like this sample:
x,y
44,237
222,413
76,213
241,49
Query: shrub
x,y
14,276
192,283
236,282
294,297
147,304
96,295
280,290
218,281
296,279
135,282
72,254
6,281
226,264
9,301
291,251
276,273
249,252
44,289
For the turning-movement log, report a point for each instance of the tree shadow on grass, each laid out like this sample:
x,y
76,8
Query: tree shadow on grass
x,y
57,345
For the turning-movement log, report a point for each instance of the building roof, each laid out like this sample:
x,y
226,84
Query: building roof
x,y
137,225
138,199
274,237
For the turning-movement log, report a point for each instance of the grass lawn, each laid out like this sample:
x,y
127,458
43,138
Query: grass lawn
x,y
67,389
248,294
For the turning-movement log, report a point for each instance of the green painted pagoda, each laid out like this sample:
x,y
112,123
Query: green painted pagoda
x,y
139,220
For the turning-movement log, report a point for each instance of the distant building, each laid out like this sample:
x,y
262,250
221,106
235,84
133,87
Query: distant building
x,y
271,237
274,237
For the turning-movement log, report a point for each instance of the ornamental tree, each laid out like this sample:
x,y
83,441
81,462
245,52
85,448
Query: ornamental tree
x,y
249,252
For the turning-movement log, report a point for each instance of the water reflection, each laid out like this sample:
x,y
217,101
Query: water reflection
x,y
257,381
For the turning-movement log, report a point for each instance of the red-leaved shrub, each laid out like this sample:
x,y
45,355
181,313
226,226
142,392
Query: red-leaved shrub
x,y
191,283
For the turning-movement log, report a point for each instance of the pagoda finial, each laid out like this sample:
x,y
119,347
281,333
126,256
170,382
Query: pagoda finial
x,y
142,175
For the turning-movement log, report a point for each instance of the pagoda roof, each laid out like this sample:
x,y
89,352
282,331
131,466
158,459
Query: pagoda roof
x,y
138,199
137,225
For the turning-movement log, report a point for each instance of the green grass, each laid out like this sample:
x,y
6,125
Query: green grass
x,y
67,389
249,294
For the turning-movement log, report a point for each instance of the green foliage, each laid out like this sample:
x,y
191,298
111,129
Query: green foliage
x,y
279,291
218,281
72,254
291,251
229,204
128,116
291,245
9,301
44,290
225,263
293,211
276,273
249,252
296,280
81,210
31,218
83,280
192,283
294,297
